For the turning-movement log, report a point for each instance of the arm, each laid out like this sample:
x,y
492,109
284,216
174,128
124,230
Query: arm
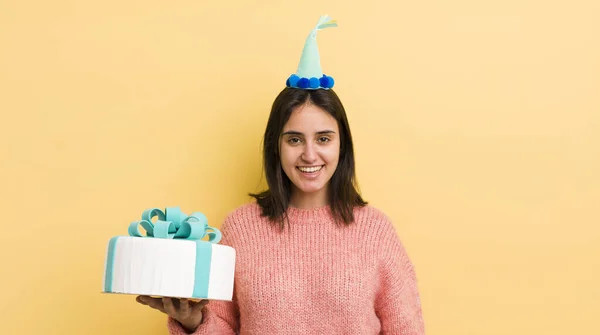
x,y
397,304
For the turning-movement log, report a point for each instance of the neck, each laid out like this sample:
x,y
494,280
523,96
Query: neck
x,y
303,200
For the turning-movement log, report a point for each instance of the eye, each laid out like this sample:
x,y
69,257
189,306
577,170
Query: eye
x,y
324,139
294,140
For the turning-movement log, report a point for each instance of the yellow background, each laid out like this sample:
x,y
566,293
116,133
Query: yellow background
x,y
476,125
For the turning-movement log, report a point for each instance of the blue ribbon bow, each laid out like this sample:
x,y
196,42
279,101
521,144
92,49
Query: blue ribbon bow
x,y
174,224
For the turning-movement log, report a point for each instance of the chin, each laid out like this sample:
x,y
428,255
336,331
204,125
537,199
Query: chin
x,y
311,189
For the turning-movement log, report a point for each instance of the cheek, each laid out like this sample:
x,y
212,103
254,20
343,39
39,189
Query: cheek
x,y
287,159
332,155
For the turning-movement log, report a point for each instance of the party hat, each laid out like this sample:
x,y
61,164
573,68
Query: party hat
x,y
309,74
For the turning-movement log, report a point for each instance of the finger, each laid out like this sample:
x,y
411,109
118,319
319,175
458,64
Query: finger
x,y
169,307
143,299
198,306
155,303
184,308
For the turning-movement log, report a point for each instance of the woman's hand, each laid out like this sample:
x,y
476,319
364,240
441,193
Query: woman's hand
x,y
188,313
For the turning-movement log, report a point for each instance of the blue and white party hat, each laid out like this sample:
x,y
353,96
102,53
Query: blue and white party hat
x,y
309,74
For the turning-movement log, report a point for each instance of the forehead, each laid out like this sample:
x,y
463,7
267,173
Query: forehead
x,y
310,118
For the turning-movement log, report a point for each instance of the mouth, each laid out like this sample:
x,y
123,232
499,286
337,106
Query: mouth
x,y
310,169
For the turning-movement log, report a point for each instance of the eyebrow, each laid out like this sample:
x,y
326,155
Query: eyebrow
x,y
293,132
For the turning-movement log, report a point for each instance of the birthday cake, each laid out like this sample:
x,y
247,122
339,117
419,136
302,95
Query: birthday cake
x,y
173,258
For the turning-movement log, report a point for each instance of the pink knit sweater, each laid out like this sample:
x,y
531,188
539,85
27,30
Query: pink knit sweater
x,y
315,277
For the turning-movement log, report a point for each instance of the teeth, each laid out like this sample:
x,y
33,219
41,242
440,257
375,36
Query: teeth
x,y
310,169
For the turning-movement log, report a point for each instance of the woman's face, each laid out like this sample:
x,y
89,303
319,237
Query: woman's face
x,y
310,148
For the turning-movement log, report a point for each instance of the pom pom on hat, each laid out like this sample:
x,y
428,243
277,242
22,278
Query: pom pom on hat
x,y
303,83
293,80
326,81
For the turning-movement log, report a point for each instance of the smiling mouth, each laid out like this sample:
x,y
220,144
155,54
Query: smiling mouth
x,y
309,169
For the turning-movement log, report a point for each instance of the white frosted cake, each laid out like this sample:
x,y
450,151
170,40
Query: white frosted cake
x,y
172,260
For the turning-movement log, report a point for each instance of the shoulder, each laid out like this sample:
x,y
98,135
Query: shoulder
x,y
245,210
376,222
249,212
248,216
239,224
371,216
385,237
371,212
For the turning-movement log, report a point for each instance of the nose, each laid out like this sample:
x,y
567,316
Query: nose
x,y
310,153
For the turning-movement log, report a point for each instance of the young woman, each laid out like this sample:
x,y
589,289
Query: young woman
x,y
312,256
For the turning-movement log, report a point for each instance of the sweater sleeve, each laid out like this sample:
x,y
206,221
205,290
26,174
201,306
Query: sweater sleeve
x,y
397,304
219,317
